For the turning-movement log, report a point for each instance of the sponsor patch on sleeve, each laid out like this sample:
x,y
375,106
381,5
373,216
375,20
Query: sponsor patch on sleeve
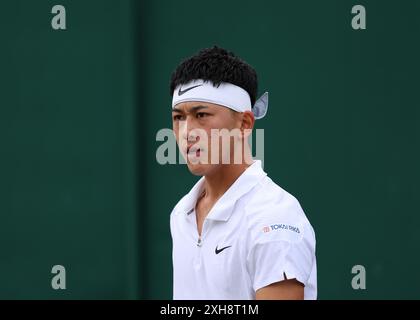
x,y
280,227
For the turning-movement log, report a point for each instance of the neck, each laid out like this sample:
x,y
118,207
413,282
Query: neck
x,y
218,182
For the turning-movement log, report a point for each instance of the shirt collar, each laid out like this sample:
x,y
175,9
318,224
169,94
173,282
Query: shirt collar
x,y
223,208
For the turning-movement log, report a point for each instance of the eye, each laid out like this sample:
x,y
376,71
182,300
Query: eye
x,y
201,114
177,117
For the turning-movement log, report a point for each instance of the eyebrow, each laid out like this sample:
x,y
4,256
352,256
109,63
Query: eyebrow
x,y
193,109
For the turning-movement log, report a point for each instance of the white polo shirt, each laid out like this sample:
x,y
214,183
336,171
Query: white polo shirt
x,y
255,235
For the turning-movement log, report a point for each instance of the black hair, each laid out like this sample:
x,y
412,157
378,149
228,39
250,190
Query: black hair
x,y
216,65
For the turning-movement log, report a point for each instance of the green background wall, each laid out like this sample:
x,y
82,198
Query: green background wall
x,y
80,109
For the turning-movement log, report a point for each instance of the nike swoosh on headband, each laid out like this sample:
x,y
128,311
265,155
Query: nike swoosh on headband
x,y
181,92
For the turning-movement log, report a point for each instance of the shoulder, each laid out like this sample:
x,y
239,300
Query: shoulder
x,y
180,205
280,239
187,202
272,213
179,209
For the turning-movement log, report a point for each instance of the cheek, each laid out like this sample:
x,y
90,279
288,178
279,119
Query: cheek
x,y
214,135
178,127
175,127
226,121
175,131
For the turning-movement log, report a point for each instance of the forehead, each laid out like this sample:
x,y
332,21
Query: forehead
x,y
191,106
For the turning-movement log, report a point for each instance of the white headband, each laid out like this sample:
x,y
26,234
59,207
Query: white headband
x,y
226,94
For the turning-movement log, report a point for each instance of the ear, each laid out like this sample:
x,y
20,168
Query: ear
x,y
248,120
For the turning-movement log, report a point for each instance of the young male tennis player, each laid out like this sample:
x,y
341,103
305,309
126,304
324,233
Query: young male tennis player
x,y
236,234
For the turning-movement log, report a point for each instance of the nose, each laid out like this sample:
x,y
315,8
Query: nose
x,y
189,131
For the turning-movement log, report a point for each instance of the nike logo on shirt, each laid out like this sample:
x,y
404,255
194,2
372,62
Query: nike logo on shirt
x,y
217,251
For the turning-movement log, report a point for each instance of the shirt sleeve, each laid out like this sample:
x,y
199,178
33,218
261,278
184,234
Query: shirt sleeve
x,y
281,244
278,259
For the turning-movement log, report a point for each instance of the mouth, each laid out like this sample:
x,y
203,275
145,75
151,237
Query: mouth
x,y
194,151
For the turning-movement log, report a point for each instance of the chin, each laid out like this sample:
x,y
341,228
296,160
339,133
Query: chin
x,y
199,169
